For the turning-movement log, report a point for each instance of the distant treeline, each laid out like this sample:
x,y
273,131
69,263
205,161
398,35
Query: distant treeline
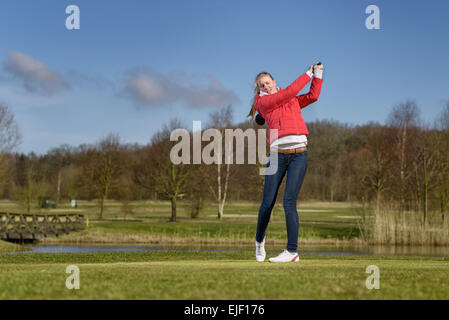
x,y
403,163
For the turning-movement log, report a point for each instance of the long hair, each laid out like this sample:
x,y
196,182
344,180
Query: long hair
x,y
252,111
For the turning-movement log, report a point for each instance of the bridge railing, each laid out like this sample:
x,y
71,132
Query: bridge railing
x,y
34,226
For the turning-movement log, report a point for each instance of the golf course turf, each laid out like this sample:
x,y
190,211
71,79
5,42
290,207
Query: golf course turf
x,y
219,275
216,275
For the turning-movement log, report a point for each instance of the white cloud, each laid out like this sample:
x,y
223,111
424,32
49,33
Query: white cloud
x,y
36,76
151,89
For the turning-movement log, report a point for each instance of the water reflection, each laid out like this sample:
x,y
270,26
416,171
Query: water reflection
x,y
304,250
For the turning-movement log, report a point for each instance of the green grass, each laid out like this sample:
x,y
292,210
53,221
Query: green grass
x,y
9,247
219,275
149,222
204,231
214,275
322,211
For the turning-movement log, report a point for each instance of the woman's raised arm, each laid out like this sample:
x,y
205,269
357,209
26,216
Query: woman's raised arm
x,y
312,96
269,102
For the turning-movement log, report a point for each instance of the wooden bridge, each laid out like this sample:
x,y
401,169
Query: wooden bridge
x,y
18,226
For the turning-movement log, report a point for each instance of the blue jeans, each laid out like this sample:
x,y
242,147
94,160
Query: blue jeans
x,y
295,165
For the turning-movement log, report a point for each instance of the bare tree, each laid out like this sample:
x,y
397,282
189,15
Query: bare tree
x,y
327,150
374,166
165,176
30,183
9,130
220,120
442,124
9,136
106,166
426,163
59,158
403,117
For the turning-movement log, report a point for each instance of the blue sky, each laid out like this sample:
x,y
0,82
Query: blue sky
x,y
135,64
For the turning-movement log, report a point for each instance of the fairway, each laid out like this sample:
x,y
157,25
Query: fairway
x,y
190,273
219,275
320,222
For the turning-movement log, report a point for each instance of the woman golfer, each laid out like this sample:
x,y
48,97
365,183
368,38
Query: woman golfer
x,y
281,109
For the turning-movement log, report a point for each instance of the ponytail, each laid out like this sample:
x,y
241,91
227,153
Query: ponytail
x,y
252,111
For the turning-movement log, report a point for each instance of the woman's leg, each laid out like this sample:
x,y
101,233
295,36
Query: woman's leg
x,y
270,191
296,171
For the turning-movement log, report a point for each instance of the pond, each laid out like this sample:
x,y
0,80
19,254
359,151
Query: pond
x,y
304,250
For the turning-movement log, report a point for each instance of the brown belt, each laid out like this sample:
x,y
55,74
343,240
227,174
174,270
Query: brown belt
x,y
289,151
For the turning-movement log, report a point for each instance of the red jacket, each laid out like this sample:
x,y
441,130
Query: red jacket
x,y
282,110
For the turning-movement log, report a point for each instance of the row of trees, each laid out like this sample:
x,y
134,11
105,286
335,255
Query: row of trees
x,y
403,163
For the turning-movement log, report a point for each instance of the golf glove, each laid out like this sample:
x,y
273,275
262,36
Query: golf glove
x,y
318,71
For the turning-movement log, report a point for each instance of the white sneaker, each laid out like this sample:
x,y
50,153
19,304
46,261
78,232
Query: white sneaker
x,y
260,251
285,256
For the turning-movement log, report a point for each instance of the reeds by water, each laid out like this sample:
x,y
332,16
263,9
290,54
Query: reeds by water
x,y
387,227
